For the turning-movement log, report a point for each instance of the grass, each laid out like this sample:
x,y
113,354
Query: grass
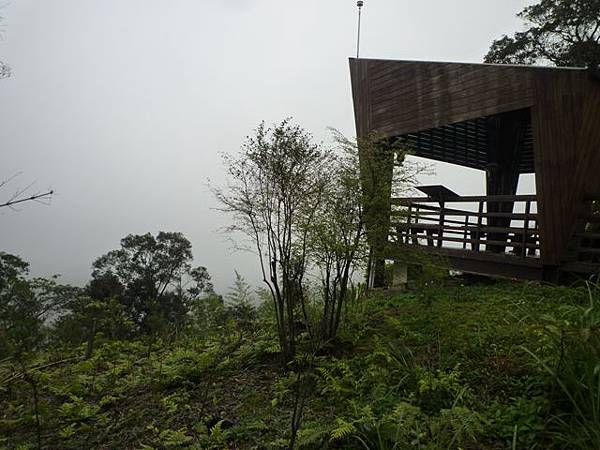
x,y
447,367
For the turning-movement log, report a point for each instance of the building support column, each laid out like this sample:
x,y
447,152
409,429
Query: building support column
x,y
376,171
504,136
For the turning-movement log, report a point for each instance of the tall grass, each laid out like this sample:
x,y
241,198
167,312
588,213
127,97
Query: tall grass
x,y
575,370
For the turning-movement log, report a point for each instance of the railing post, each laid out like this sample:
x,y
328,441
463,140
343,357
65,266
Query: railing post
x,y
466,233
414,239
441,230
525,228
479,225
408,230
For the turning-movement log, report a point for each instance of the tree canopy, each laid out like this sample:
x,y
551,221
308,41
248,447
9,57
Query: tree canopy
x,y
561,32
153,275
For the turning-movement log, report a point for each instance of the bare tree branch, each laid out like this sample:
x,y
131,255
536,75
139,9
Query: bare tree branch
x,y
21,196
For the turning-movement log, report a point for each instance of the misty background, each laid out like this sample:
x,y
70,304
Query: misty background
x,y
122,107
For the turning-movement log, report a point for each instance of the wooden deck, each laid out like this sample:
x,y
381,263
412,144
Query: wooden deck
x,y
497,235
479,263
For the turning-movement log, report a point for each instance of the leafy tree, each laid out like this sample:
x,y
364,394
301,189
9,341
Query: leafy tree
x,y
562,32
276,184
337,234
26,305
19,322
97,309
209,315
4,68
86,317
155,276
104,286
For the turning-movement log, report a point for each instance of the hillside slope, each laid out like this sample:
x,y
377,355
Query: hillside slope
x,y
454,366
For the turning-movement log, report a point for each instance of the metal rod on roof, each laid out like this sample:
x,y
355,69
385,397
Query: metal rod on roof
x,y
359,3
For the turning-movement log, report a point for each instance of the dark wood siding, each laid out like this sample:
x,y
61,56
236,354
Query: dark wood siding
x,y
555,156
409,96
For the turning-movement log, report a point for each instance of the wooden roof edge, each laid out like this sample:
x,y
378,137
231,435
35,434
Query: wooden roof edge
x,y
518,66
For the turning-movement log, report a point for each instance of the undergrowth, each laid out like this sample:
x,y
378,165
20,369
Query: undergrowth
x,y
504,366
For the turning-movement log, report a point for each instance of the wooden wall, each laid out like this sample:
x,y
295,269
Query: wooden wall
x,y
397,97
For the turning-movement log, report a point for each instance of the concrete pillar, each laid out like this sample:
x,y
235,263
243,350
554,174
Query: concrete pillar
x,y
400,275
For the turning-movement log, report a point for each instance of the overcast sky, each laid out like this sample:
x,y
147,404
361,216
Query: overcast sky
x,y
123,106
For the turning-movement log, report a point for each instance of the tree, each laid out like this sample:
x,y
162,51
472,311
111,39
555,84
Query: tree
x,y
25,306
384,172
562,32
19,322
4,68
276,185
337,234
209,316
155,276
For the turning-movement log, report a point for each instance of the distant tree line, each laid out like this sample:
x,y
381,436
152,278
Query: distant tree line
x,y
148,287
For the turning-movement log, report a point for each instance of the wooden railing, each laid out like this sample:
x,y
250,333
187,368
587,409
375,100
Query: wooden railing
x,y
587,238
498,224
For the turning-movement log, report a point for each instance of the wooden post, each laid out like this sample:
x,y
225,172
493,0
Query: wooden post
x,y
466,233
479,225
441,229
526,228
406,240
504,137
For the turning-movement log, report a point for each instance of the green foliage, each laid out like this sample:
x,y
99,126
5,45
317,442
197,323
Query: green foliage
x,y
153,278
275,187
184,366
522,420
25,305
241,301
572,361
508,365
563,32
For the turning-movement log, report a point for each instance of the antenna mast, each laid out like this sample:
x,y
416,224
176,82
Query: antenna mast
x,y
359,3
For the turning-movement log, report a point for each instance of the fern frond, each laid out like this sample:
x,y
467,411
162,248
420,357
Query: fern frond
x,y
342,431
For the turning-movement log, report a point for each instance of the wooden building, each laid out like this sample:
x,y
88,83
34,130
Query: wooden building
x,y
505,120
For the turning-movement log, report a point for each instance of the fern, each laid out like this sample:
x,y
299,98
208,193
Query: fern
x,y
310,436
216,433
462,424
343,430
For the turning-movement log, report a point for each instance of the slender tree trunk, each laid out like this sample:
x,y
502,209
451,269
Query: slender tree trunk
x,y
90,341
37,415
334,301
342,299
290,318
280,312
36,410
326,306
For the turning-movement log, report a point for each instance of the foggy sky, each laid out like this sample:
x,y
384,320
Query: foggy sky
x,y
123,106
